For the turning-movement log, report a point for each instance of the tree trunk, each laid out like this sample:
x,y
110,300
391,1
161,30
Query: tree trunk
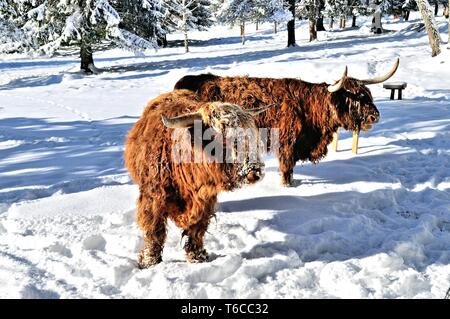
x,y
430,26
312,30
291,25
87,60
186,40
243,33
257,25
320,8
446,12
275,26
406,15
331,23
353,21
436,8
319,25
342,23
312,22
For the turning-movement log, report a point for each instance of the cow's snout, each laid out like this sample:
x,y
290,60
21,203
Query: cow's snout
x,y
254,173
253,176
370,120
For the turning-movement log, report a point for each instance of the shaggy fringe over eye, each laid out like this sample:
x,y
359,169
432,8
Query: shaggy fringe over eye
x,y
221,116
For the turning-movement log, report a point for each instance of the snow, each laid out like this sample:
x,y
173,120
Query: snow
x,y
372,225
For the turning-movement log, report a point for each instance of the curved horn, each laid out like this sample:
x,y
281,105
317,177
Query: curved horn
x,y
181,121
261,109
385,77
336,87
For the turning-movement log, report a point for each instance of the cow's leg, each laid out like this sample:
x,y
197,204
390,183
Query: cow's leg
x,y
195,251
153,224
287,163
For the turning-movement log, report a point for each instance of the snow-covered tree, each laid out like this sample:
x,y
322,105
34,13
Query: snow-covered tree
x,y
436,4
358,8
319,22
407,7
241,11
186,15
337,9
430,25
11,36
48,25
142,17
237,12
393,7
271,11
291,24
310,9
12,39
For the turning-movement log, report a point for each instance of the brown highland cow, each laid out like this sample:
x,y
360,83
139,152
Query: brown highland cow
x,y
185,192
306,114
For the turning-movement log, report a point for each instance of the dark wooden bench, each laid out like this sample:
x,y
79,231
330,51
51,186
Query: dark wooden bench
x,y
395,86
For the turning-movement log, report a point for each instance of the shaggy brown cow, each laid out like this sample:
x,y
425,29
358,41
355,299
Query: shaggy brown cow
x,y
307,114
185,192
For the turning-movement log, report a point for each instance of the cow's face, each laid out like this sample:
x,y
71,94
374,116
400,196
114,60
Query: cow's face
x,y
355,107
240,139
229,137
353,101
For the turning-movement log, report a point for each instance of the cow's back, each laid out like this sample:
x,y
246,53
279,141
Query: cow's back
x,y
148,144
194,82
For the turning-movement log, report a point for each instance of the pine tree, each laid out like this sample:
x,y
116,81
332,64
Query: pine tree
x,y
241,11
237,12
407,7
358,8
141,17
271,11
330,11
430,25
48,25
11,36
311,10
319,22
392,7
186,15
338,9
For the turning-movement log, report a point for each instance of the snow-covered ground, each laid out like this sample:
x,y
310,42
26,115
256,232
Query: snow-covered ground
x,y
372,225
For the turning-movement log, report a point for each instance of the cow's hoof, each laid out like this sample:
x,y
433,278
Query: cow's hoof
x,y
199,256
289,183
287,180
146,260
293,183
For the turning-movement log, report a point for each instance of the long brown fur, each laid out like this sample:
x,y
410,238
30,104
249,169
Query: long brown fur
x,y
184,192
306,114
